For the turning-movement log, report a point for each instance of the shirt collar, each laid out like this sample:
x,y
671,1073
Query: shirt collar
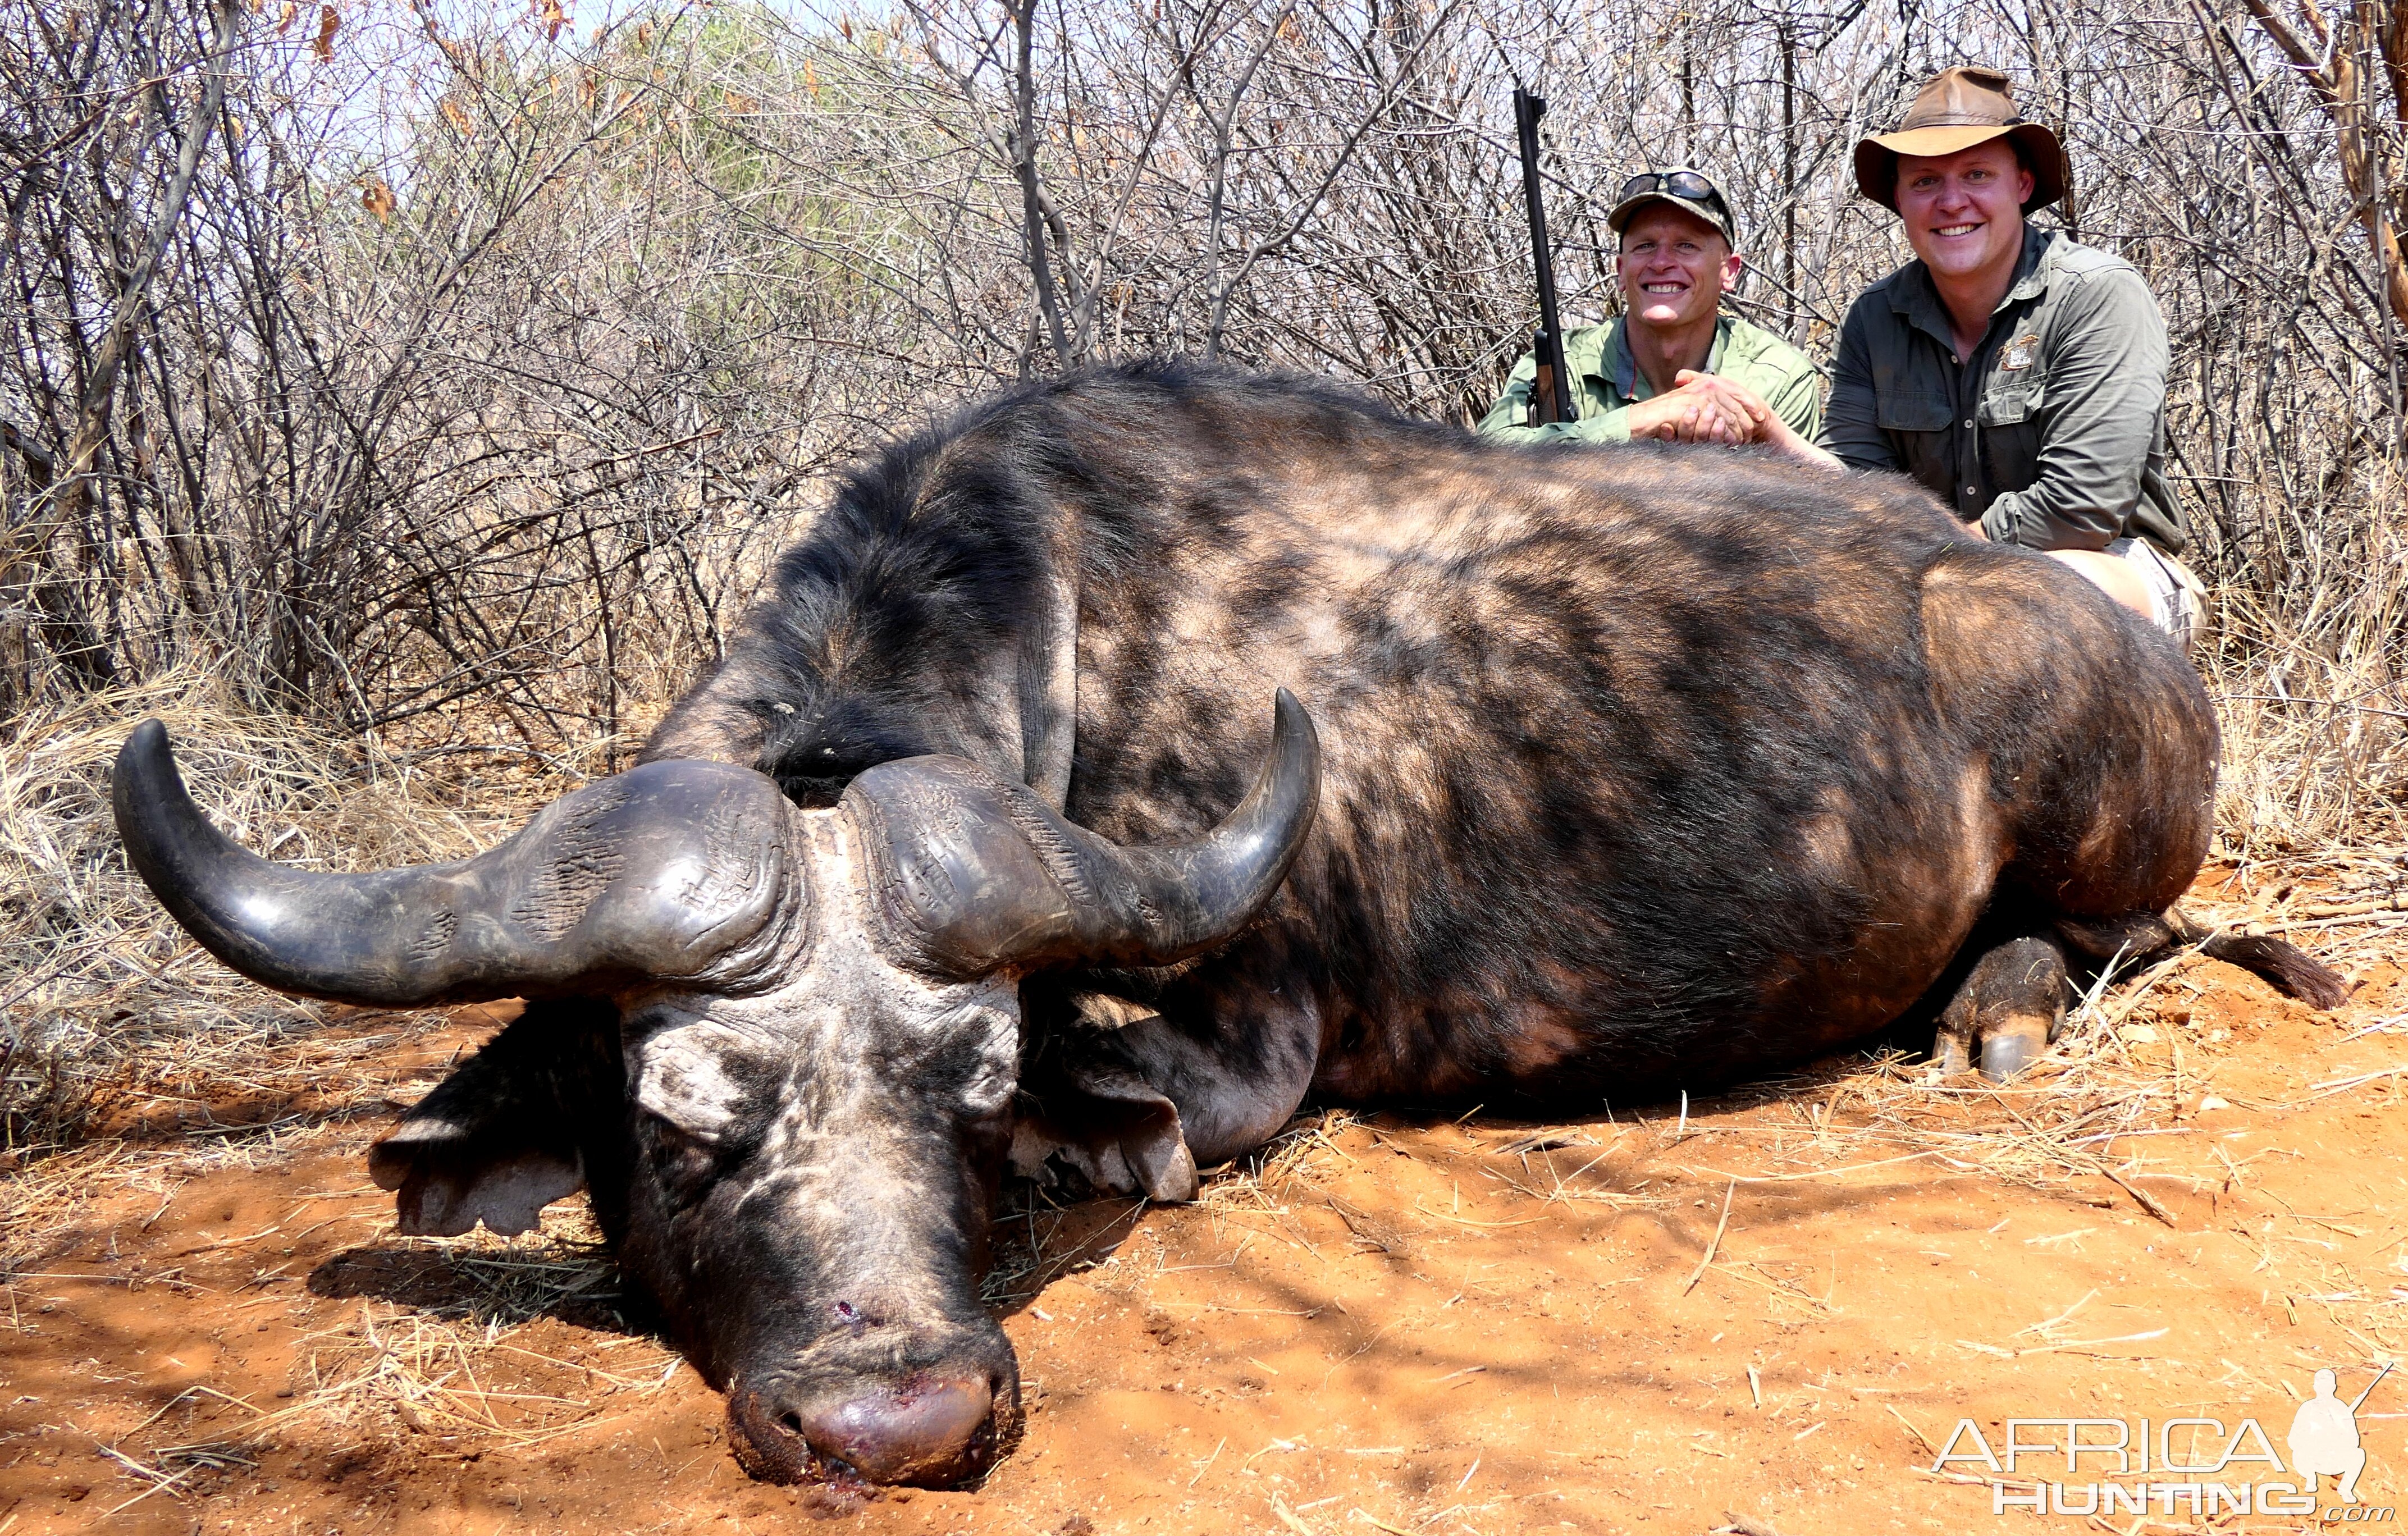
x,y
2029,279
1919,301
1619,369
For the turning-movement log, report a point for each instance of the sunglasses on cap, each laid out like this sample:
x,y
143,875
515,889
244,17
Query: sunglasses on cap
x,y
1687,184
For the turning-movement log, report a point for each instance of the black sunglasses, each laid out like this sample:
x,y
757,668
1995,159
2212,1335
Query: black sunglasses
x,y
1687,184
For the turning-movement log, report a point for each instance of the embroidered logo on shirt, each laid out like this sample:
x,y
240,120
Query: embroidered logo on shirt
x,y
2022,353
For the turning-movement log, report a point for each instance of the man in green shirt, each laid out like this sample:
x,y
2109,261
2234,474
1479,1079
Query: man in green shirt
x,y
1658,371
2019,377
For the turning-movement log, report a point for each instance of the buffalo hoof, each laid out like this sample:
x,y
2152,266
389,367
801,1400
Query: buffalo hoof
x,y
2010,1047
2012,1003
926,1433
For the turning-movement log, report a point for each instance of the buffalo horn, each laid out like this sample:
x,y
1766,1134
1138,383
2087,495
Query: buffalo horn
x,y
976,873
660,872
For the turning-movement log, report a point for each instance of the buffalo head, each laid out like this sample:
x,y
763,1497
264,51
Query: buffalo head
x,y
819,1026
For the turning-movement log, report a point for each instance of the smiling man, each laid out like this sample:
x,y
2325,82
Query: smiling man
x,y
2020,376
1653,372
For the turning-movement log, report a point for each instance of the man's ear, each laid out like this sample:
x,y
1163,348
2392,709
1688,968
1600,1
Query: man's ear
x,y
1732,265
500,1139
1089,1122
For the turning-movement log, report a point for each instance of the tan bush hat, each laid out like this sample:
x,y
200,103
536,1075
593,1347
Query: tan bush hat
x,y
1956,110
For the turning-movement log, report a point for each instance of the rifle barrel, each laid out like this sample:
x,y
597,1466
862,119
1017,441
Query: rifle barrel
x,y
1548,344
2370,1386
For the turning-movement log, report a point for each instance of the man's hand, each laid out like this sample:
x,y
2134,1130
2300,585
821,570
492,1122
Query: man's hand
x,y
1700,408
1750,418
1763,424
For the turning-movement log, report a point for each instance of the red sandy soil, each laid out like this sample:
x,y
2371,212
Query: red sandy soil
x,y
1401,1324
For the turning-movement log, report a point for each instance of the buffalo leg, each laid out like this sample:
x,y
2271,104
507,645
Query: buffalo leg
x,y
2010,1004
1136,1097
503,1136
2149,937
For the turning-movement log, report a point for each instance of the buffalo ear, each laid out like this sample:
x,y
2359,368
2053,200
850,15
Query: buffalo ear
x,y
445,1184
1090,1123
501,1137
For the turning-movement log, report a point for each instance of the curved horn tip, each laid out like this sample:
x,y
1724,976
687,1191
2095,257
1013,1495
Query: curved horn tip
x,y
147,747
1295,745
1291,722
145,772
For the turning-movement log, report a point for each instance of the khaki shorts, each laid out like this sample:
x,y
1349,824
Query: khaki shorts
x,y
2175,595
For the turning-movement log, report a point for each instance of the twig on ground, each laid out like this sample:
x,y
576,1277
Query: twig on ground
x,y
1715,1241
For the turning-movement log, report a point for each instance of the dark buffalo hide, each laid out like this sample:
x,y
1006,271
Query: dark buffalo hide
x,y
1639,769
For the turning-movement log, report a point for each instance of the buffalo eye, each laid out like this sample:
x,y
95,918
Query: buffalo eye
x,y
684,1161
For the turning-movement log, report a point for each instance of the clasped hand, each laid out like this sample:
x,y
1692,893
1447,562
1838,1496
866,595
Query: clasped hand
x,y
1706,408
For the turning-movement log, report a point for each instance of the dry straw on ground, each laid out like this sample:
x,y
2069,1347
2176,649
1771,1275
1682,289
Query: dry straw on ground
x,y
2314,718
462,1366
105,1001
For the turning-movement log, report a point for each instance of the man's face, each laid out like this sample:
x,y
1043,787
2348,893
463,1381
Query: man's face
x,y
1964,211
1673,267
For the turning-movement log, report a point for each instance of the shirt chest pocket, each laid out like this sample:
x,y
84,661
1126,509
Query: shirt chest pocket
x,y
1908,411
1917,423
2010,403
2009,414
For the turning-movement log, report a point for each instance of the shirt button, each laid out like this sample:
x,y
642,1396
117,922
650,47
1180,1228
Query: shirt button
x,y
1970,491
1969,423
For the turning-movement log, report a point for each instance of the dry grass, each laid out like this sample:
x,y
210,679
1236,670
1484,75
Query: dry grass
x,y
460,1366
2127,1066
452,1357
2309,694
104,1002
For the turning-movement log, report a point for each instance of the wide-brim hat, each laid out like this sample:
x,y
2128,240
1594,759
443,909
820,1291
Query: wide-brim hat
x,y
1956,110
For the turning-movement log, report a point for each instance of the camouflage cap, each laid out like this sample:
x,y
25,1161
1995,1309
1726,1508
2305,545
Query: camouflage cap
x,y
1689,189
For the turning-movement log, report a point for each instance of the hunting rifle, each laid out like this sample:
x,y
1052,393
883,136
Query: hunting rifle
x,y
2369,1389
1551,395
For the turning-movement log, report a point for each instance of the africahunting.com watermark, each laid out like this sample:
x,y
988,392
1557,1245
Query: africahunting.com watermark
x,y
2177,1466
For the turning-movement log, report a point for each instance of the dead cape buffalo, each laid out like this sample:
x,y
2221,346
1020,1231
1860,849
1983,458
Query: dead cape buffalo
x,y
1635,769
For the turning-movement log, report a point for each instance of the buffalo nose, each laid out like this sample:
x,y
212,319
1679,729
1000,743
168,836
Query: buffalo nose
x,y
926,1431
920,1432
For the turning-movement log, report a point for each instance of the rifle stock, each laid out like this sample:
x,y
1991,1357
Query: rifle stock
x,y
1551,396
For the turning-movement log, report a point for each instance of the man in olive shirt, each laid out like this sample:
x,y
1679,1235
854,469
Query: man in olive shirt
x,y
2019,376
1656,371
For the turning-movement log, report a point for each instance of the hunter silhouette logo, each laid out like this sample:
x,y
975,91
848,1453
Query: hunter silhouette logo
x,y
2324,1436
